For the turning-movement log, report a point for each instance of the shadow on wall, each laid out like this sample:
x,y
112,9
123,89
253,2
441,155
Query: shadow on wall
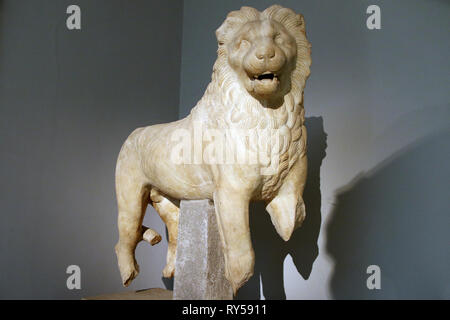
x,y
270,249
397,217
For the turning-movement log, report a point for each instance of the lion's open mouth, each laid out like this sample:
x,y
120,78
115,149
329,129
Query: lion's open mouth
x,y
266,76
263,84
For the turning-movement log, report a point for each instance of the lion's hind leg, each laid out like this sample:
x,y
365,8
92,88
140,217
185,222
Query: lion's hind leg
x,y
169,211
132,204
132,194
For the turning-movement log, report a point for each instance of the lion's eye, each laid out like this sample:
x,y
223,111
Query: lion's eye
x,y
278,38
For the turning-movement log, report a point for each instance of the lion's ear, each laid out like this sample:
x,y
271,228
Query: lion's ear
x,y
220,34
223,31
301,20
227,26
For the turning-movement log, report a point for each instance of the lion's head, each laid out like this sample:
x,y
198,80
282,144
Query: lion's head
x,y
267,51
263,61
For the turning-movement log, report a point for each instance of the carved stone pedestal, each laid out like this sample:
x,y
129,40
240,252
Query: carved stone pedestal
x,y
199,267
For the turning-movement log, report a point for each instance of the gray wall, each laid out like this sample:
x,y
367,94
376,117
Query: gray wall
x,y
378,111
68,100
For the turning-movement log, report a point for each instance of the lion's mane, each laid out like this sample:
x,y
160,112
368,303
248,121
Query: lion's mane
x,y
226,104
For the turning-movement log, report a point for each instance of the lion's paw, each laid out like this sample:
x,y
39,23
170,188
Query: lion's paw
x,y
169,270
129,273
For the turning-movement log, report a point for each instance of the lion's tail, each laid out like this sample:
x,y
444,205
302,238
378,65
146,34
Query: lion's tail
x,y
150,235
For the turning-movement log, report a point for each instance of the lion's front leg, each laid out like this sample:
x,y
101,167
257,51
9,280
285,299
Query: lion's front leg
x,y
287,209
233,222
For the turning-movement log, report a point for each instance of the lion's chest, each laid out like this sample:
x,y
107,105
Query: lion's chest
x,y
263,143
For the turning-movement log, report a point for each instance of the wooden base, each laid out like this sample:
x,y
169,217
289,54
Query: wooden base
x,y
146,294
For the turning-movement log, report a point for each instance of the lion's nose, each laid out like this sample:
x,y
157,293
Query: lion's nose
x,y
265,52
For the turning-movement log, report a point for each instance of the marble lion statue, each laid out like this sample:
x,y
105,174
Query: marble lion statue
x,y
263,61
